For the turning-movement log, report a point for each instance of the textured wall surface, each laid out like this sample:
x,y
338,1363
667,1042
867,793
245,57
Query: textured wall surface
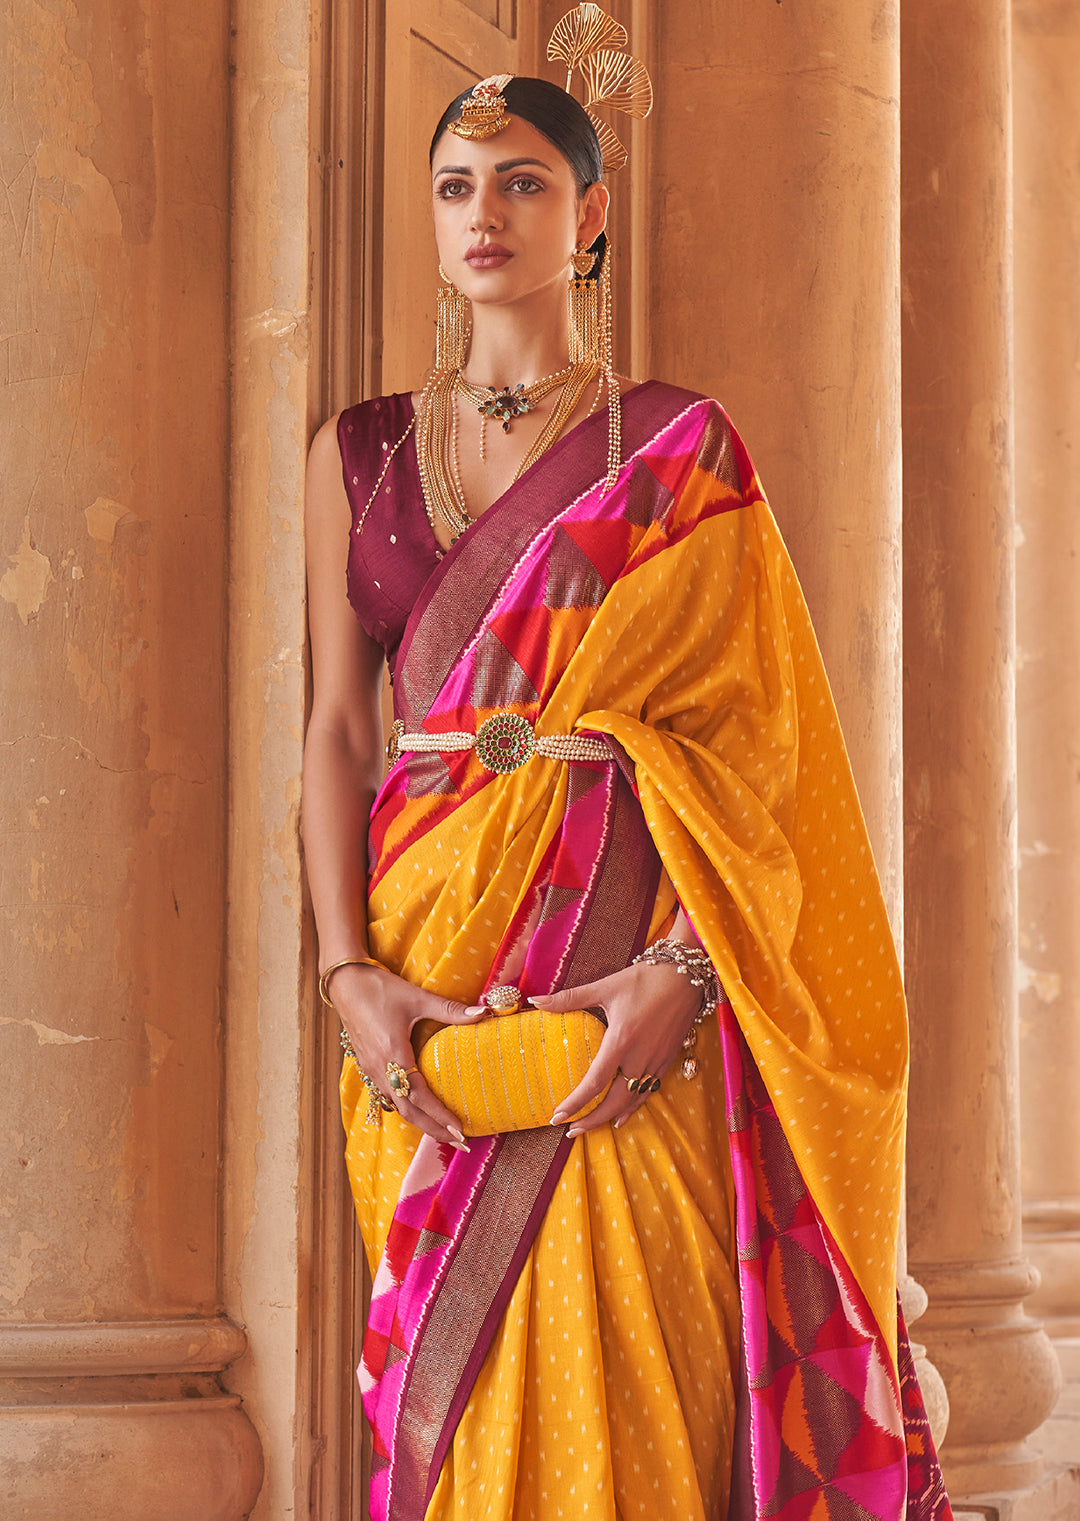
x,y
112,740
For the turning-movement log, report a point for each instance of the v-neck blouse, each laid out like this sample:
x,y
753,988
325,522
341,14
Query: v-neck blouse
x,y
392,551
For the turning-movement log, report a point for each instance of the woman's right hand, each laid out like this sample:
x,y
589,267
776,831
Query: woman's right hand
x,y
378,1011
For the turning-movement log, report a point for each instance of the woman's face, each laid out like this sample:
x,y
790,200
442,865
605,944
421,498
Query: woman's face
x,y
507,213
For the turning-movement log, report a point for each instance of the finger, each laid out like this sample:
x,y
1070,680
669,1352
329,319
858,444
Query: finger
x,y
424,1110
602,1069
449,1011
588,996
617,1107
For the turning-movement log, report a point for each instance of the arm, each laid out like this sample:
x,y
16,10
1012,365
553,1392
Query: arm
x,y
343,759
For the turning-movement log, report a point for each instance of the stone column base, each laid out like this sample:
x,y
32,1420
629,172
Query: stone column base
x,y
157,1460
1000,1370
124,1422
1055,1498
1058,1438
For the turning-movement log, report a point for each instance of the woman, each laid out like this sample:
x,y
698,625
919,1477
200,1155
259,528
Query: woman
x,y
682,1303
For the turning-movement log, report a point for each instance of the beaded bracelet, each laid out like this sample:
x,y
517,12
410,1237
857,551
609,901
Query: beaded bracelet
x,y
691,961
377,1100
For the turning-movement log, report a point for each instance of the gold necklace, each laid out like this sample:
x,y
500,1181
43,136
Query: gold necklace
x,y
436,439
507,403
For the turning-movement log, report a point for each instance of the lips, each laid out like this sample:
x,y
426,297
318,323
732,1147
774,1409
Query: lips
x,y
487,256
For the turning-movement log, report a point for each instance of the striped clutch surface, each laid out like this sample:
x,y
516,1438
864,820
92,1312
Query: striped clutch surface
x,y
512,1071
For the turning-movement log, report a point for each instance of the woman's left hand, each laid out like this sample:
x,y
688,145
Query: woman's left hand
x,y
649,1009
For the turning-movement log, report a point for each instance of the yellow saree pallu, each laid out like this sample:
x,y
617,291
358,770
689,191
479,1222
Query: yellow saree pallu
x,y
694,1315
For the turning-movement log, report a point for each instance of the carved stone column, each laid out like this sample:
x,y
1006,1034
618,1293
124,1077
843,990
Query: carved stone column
x,y
1046,61
112,536
960,746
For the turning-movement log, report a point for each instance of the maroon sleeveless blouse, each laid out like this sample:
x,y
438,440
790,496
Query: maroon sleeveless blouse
x,y
393,551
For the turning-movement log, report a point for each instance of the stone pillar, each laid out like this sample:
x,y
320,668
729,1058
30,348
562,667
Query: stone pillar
x,y
1046,117
274,1192
960,746
780,296
112,540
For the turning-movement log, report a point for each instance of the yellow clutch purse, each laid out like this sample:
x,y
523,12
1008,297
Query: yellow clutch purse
x,y
512,1071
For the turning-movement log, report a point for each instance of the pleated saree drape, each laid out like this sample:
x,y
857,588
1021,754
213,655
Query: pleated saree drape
x,y
695,1315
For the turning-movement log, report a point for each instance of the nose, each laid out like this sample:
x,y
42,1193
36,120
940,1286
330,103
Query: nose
x,y
486,214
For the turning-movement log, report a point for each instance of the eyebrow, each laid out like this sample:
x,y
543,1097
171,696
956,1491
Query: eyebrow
x,y
507,163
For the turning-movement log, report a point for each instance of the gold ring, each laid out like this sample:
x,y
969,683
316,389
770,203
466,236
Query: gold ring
x,y
397,1080
643,1085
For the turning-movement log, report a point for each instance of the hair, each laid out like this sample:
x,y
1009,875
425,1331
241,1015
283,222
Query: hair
x,y
561,119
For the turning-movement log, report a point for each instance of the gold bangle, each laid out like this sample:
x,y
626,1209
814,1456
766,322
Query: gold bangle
x,y
324,977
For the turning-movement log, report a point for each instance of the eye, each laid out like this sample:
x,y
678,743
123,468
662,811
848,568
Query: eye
x,y
451,190
526,184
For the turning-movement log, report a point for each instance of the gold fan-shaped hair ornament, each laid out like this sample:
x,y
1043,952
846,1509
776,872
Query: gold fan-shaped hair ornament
x,y
581,32
588,39
619,81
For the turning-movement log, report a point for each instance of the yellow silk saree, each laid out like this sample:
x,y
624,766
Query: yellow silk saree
x,y
694,1315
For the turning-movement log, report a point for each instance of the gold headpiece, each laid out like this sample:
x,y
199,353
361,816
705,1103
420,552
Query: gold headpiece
x,y
484,113
588,39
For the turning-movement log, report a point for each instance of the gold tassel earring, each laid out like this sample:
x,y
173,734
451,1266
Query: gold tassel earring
x,y
584,299
453,326
592,341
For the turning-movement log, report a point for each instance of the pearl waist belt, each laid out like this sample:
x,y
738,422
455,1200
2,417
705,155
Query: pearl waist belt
x,y
502,743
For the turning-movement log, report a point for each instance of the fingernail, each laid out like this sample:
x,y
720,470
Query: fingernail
x,y
456,1133
620,1121
462,1146
573,1134
559,1117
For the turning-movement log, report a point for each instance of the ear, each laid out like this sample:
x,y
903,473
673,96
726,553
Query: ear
x,y
593,214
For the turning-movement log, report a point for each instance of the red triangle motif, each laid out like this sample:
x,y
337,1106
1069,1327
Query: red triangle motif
x,y
672,470
400,1247
526,631
606,544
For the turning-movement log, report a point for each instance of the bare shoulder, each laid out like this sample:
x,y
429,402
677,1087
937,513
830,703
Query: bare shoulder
x,y
327,502
325,441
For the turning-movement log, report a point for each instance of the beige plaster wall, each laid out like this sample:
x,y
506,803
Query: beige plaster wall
x,y
112,744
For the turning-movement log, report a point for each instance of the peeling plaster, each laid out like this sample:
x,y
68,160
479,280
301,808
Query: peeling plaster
x,y
160,1044
275,323
1045,985
91,687
46,1035
102,518
20,1268
28,580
